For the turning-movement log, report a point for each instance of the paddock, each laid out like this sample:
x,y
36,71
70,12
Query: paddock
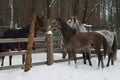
x,y
41,43
89,12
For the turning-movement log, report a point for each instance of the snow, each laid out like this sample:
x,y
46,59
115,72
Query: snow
x,y
62,71
49,32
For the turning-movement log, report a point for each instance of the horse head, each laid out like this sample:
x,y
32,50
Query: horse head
x,y
55,24
72,22
76,24
40,24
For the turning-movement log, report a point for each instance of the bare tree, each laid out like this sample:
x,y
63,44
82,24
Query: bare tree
x,y
11,6
75,4
31,36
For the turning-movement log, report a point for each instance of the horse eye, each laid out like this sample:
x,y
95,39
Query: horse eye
x,y
69,21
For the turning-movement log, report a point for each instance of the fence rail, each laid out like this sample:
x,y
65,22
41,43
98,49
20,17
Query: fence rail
x,y
37,39
13,40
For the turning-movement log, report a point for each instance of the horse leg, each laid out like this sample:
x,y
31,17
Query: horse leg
x,y
100,59
105,47
10,60
84,57
109,57
114,48
23,58
75,59
105,52
112,59
69,57
64,54
64,49
114,55
89,58
88,54
2,60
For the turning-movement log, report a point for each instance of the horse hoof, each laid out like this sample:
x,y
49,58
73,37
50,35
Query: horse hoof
x,y
63,57
107,65
90,65
22,67
84,62
103,66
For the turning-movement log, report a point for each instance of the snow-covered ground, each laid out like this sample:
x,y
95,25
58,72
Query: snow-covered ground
x,y
61,71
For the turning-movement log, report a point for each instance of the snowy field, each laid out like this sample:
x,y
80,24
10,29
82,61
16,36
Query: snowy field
x,y
61,71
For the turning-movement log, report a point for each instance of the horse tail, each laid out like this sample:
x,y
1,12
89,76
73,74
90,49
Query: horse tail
x,y
105,47
114,48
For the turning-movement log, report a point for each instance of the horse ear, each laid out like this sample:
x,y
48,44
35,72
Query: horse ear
x,y
42,17
37,18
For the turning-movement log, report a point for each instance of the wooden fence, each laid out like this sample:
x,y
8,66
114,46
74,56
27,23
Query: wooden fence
x,y
50,41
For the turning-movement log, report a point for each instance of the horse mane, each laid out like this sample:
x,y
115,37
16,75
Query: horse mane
x,y
66,28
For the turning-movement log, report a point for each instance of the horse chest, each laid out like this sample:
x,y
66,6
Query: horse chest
x,y
78,42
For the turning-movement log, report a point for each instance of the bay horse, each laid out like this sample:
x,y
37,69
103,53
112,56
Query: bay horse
x,y
77,40
110,37
20,33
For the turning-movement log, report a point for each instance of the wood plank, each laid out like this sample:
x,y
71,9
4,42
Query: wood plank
x,y
13,40
38,63
21,52
37,51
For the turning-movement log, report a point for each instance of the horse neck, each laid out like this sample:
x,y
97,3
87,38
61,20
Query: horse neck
x,y
66,30
40,22
81,27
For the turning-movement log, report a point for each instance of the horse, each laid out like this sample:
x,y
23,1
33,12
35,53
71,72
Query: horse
x,y
85,51
77,40
19,33
108,35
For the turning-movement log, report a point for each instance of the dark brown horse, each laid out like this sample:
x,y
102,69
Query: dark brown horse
x,y
22,33
40,22
74,40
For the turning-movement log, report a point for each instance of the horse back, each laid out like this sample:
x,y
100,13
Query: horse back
x,y
90,37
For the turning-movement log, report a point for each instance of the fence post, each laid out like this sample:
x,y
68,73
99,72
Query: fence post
x,y
49,48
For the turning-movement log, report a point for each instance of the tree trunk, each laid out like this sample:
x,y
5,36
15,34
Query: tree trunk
x,y
31,36
75,4
85,11
11,21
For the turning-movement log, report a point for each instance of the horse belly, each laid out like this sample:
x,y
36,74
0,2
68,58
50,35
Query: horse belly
x,y
80,45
